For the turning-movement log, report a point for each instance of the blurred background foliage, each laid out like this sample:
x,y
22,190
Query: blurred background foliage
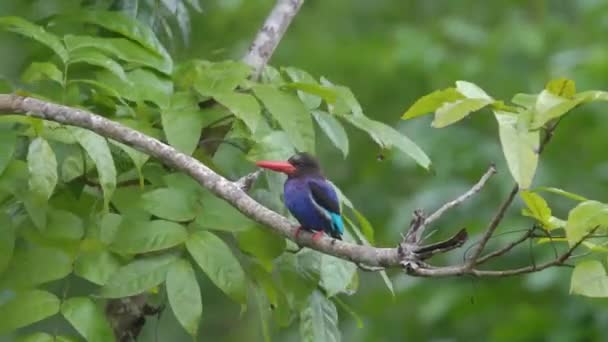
x,y
390,53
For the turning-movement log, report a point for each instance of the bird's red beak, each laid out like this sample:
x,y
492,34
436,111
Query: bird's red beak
x,y
279,166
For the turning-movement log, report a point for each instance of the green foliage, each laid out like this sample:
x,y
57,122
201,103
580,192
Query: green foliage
x,y
26,307
87,319
184,295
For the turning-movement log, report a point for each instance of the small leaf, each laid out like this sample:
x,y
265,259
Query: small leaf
x,y
388,137
549,106
97,148
291,114
134,237
42,71
538,208
319,320
561,87
171,204
264,245
42,166
96,267
138,276
429,103
34,266
217,261
25,308
525,100
38,33
472,91
589,279
243,106
84,315
336,275
519,146
96,58
562,193
184,295
452,112
309,90
583,218
333,129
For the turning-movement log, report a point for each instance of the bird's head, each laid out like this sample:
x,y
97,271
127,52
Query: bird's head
x,y
299,164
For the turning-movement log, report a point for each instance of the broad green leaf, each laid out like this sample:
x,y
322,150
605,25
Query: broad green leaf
x,y
35,265
319,320
220,78
452,112
8,143
63,224
217,214
215,258
262,244
138,276
38,33
275,145
291,114
336,275
519,146
309,90
472,91
549,106
42,166
346,102
583,218
97,148
138,158
537,208
589,279
94,57
96,267
388,137
38,71
37,337
561,192
7,241
25,308
151,87
88,319
171,204
562,87
183,124
184,295
431,102
333,129
134,236
121,48
243,106
128,200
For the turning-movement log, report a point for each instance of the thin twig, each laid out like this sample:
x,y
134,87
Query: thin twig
x,y
505,249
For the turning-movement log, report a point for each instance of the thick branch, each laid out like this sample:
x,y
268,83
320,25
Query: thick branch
x,y
269,36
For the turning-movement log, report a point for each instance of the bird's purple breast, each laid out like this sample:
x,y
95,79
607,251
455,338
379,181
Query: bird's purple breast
x,y
298,200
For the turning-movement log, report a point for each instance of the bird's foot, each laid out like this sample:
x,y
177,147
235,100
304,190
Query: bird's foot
x,y
317,235
298,230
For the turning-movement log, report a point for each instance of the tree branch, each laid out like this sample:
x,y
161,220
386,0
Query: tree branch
x,y
269,36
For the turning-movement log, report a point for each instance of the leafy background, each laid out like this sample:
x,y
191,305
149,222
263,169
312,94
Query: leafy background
x,y
389,54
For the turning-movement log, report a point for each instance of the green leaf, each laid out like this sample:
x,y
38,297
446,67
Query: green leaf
x,y
561,87
36,337
452,112
36,265
537,208
7,241
96,267
346,102
319,320
217,214
364,225
549,106
583,218
562,193
8,143
128,201
220,78
25,308
291,114
184,295
86,317
519,146
333,129
97,148
123,49
38,71
429,103
388,137
217,261
592,96
183,128
275,145
138,158
171,204
64,225
42,166
589,279
94,57
135,236
309,90
138,276
525,100
262,244
243,106
336,275
472,91
27,29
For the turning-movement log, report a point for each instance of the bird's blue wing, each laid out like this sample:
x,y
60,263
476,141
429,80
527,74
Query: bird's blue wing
x,y
324,195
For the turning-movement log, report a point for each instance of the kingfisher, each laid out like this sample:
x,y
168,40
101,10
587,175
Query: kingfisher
x,y
310,198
